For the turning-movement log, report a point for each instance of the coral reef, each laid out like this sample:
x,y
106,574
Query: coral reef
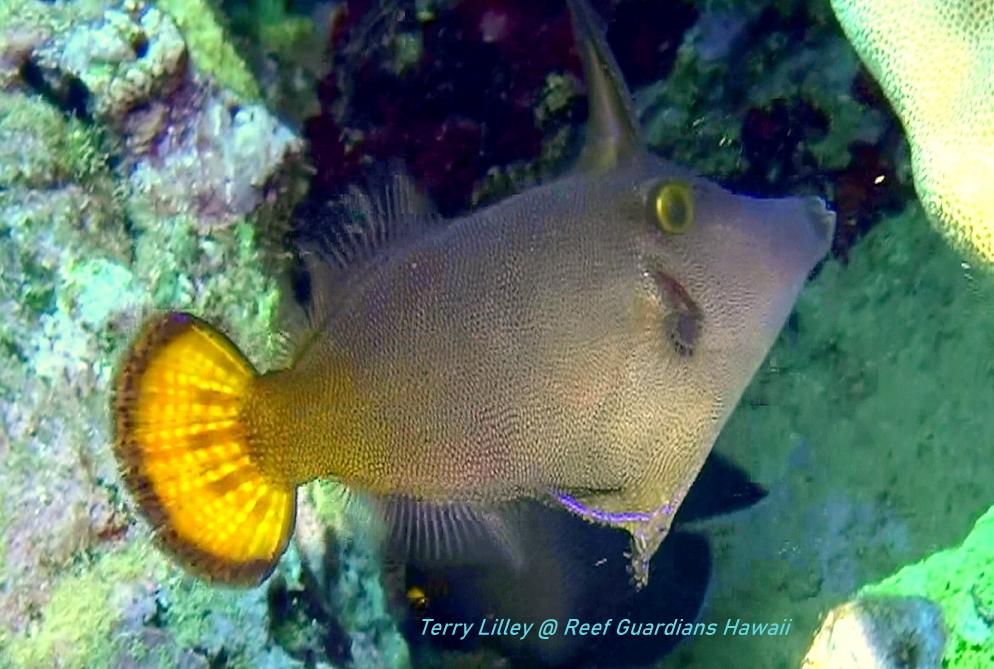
x,y
412,88
879,633
960,581
934,64
340,573
769,98
136,174
211,51
768,121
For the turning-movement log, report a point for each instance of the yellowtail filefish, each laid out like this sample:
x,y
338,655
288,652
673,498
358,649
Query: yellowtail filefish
x,y
582,342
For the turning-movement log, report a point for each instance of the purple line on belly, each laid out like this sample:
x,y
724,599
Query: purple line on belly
x,y
601,516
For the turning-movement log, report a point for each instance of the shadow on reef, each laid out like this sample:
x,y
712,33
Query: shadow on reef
x,y
576,570
303,624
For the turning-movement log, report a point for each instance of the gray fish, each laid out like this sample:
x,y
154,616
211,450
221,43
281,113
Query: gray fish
x,y
582,342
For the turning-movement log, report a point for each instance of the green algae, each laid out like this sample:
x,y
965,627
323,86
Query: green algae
x,y
76,624
132,608
40,146
210,49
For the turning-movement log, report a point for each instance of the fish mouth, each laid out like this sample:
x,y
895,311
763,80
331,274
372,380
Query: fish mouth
x,y
684,322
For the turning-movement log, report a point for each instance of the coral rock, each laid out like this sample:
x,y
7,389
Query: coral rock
x,y
880,633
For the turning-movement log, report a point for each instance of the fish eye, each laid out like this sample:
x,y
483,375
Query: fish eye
x,y
672,204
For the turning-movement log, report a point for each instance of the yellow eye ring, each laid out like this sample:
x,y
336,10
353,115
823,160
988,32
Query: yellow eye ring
x,y
673,207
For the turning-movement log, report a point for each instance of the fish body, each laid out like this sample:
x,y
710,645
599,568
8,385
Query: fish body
x,y
528,346
583,341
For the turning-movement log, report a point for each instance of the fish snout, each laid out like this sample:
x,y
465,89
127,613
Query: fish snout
x,y
800,235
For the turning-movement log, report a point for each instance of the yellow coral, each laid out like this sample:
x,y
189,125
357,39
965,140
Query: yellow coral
x,y
935,61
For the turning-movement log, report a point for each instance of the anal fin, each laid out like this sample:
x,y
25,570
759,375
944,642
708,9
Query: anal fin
x,y
450,532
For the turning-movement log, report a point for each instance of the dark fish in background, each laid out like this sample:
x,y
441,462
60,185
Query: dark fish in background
x,y
575,569
581,343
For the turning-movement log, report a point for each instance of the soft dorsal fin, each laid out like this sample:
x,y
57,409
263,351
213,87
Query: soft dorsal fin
x,y
361,229
366,220
613,135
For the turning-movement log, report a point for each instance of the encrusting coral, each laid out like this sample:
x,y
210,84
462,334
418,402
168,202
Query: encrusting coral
x,y
934,62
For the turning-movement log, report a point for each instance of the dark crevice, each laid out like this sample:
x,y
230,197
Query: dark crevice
x,y
140,46
65,91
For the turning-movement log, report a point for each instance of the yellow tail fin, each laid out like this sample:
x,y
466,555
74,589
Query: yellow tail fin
x,y
186,455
